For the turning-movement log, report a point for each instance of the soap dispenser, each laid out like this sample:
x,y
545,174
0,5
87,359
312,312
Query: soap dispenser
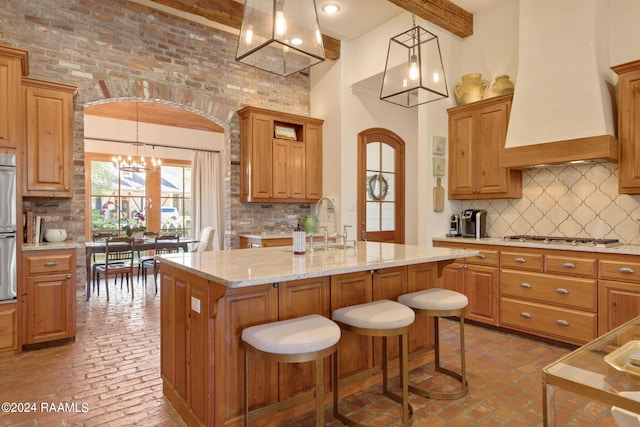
x,y
299,239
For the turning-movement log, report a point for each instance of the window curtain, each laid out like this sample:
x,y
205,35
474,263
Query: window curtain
x,y
207,195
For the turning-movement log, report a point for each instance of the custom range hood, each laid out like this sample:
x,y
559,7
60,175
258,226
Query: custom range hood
x,y
562,110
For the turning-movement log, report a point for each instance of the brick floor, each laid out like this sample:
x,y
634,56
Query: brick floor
x,y
111,373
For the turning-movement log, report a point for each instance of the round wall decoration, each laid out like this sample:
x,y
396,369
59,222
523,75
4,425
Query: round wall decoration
x,y
377,187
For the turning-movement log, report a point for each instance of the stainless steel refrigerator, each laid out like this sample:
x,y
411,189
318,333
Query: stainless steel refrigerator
x,y
8,227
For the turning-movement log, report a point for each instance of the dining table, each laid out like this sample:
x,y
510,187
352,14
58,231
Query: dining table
x,y
139,245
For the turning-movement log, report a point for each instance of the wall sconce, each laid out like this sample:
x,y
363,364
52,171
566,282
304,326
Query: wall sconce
x,y
282,37
414,73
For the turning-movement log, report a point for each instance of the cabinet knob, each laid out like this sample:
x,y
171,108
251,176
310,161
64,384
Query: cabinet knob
x,y
275,285
561,322
526,315
69,276
525,285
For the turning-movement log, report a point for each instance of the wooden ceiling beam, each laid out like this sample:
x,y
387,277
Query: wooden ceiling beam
x,y
229,13
442,13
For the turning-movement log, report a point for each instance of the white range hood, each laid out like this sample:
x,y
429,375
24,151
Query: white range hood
x,y
562,108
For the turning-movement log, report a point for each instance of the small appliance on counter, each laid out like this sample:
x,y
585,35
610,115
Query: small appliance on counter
x,y
473,223
454,226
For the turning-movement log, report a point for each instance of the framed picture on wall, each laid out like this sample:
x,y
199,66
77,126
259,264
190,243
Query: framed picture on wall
x,y
284,132
438,166
439,145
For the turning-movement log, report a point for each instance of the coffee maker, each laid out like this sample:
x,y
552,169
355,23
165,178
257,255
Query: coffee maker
x,y
473,223
454,226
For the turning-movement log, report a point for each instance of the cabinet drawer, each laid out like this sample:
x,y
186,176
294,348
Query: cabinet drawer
x,y
620,270
566,291
521,260
567,325
586,267
486,257
48,264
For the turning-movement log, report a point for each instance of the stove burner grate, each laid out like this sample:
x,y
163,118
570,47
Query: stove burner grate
x,y
589,241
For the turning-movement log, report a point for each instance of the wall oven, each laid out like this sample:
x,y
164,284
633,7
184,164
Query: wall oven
x,y
8,228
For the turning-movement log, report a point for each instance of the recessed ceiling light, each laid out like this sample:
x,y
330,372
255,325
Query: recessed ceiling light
x,y
330,8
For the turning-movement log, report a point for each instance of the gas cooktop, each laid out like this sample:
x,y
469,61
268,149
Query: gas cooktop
x,y
574,241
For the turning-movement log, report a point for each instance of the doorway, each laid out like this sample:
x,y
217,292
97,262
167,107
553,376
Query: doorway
x,y
381,186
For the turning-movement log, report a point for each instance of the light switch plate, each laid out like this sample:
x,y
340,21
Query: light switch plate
x,y
195,304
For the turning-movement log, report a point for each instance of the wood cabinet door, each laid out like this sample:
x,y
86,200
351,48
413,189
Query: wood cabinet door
x,y
261,157
389,284
419,278
355,352
453,277
462,162
491,135
295,299
629,128
296,163
481,288
237,310
10,102
618,302
8,329
313,162
48,310
49,139
281,174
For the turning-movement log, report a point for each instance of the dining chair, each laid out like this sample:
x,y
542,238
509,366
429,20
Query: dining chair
x,y
119,253
164,244
99,236
206,240
142,258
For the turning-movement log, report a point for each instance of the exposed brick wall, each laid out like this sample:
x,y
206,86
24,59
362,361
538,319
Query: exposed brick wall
x,y
139,52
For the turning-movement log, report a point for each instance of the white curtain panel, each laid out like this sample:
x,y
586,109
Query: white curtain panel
x,y
207,195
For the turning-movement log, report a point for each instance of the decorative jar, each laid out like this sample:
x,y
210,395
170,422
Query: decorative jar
x,y
501,86
471,89
55,235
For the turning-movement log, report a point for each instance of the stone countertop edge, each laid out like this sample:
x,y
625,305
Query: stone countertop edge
x,y
498,241
265,236
250,267
67,244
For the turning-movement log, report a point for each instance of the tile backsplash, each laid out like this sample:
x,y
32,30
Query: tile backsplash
x,y
573,201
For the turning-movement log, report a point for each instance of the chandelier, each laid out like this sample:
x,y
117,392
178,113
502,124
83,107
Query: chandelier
x,y
282,37
414,73
136,161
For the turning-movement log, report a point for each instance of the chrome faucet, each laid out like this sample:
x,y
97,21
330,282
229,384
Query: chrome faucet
x,y
344,236
331,208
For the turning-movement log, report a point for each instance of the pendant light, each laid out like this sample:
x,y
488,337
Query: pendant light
x,y
414,73
136,161
280,36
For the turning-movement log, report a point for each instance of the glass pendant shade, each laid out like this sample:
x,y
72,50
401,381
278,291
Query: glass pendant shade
x,y
280,36
414,73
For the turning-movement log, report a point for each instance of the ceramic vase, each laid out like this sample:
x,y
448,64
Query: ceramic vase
x,y
471,89
501,86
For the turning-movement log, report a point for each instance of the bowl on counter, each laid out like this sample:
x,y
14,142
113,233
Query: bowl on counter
x,y
55,235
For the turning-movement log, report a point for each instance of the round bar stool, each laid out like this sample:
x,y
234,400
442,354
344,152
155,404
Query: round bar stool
x,y
302,339
438,303
384,319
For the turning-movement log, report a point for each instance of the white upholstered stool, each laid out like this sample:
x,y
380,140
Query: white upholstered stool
x,y
303,339
438,302
384,319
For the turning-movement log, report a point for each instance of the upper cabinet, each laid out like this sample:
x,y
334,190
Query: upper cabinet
x,y
13,65
48,149
629,127
280,157
476,133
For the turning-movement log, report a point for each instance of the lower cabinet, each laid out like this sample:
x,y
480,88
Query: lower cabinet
x,y
8,329
478,278
618,291
49,299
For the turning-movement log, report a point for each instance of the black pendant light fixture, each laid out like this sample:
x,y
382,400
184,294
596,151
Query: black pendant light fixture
x,y
414,73
280,36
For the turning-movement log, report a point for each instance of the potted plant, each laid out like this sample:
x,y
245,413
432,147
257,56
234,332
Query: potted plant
x,y
136,228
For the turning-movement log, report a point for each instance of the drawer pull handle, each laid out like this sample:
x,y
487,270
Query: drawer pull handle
x,y
525,285
526,315
481,256
69,276
568,265
562,291
50,264
520,260
627,270
562,323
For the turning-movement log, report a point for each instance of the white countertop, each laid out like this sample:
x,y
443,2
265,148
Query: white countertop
x,y
67,244
499,241
249,267
277,235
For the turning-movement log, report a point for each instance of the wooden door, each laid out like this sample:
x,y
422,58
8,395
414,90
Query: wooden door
x,y
8,329
389,284
381,179
281,174
297,188
49,138
618,302
481,288
10,101
492,132
261,157
355,351
629,128
47,308
295,299
462,164
313,161
419,278
453,276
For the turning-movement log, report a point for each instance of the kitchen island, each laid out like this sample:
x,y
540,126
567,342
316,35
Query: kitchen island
x,y
208,298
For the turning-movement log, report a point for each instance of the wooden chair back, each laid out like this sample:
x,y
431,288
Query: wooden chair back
x,y
167,244
121,249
